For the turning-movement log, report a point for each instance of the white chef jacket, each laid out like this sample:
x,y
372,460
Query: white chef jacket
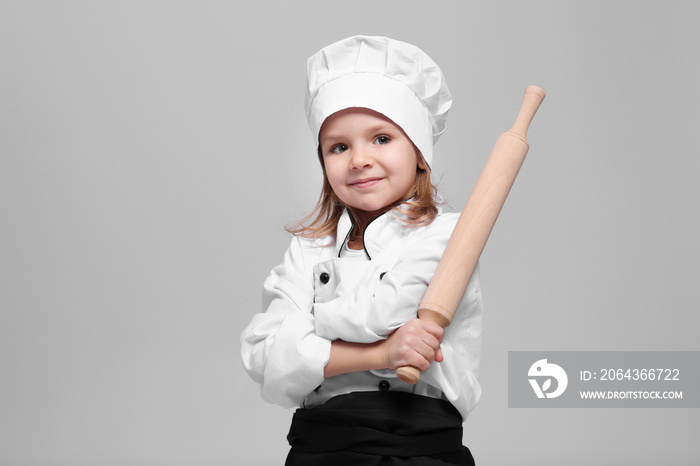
x,y
315,296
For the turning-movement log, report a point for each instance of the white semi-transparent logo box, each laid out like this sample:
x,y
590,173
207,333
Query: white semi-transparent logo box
x,y
615,379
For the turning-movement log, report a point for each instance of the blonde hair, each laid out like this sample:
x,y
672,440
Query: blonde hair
x,y
419,210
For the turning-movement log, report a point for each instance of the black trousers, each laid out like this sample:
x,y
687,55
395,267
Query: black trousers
x,y
378,428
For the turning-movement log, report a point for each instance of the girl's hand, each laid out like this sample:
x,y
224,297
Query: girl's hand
x,y
416,343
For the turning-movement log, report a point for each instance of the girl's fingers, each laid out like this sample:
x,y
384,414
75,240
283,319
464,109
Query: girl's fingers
x,y
429,349
416,343
426,326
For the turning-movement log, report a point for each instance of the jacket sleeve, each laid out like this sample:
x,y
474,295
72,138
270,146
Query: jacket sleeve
x,y
280,348
373,313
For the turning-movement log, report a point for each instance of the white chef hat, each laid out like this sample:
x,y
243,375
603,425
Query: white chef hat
x,y
391,77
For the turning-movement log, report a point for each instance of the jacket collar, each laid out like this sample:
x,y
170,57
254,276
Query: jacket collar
x,y
378,233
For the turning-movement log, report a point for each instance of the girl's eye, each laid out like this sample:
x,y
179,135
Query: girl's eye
x,y
383,139
338,148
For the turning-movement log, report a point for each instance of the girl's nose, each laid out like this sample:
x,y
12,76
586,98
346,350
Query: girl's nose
x,y
360,159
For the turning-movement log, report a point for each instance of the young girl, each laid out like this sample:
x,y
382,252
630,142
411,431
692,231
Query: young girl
x,y
340,311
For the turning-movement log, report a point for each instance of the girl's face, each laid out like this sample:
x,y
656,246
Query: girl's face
x,y
369,161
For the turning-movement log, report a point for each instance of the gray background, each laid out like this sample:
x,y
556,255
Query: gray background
x,y
153,151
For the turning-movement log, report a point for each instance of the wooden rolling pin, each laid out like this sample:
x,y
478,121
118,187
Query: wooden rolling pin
x,y
474,226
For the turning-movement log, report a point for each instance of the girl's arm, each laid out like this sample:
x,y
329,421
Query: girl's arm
x,y
280,349
416,343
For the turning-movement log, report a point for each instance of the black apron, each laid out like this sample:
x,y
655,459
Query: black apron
x,y
378,428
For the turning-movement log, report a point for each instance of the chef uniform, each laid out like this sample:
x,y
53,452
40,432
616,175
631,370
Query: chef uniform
x,y
324,291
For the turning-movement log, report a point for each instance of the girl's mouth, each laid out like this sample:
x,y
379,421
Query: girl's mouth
x,y
365,183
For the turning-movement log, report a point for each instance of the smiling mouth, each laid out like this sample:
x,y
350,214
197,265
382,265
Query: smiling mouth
x,y
365,183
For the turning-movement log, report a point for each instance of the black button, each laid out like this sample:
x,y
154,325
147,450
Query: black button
x,y
381,275
324,278
384,385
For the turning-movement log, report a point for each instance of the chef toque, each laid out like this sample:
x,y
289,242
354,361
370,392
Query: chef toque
x,y
388,76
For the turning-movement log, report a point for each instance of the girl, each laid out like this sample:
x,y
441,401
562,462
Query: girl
x,y
340,311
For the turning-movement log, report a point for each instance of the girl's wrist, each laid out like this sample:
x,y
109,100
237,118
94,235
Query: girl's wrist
x,y
378,357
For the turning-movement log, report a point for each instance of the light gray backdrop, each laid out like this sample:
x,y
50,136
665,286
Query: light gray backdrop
x,y
153,151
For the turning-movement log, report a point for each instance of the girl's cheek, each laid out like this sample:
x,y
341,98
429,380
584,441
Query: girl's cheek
x,y
333,180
